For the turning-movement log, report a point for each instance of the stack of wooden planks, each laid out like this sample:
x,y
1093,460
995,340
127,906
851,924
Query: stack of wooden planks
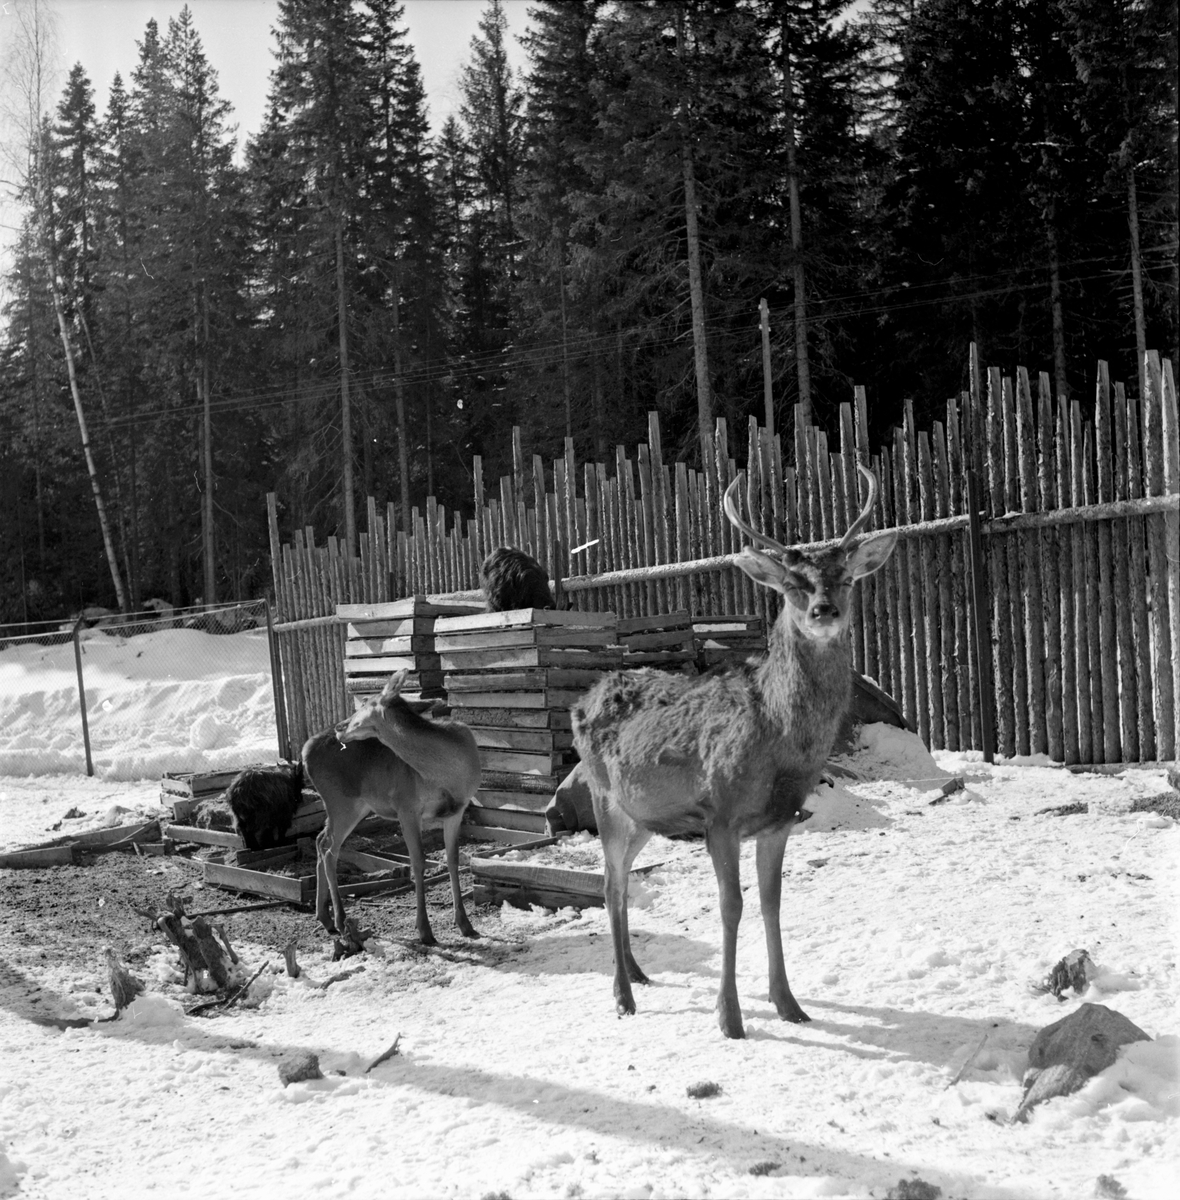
x,y
664,640
185,792
395,636
511,677
726,638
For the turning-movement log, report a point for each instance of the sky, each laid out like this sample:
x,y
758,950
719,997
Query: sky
x,y
236,34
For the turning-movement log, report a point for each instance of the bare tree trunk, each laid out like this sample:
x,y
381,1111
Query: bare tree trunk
x,y
696,290
565,353
112,561
1136,279
399,401
345,400
1060,378
802,361
207,540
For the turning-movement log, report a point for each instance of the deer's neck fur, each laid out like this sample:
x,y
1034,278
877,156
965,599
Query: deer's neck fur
x,y
805,687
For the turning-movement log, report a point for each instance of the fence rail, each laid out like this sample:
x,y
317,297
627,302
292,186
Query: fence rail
x,y
1077,518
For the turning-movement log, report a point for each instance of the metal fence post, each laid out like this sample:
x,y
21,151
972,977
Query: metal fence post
x,y
82,696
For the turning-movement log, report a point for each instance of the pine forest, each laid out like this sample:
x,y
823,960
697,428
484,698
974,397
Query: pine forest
x,y
351,303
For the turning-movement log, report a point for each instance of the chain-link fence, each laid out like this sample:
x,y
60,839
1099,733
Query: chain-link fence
x,y
131,695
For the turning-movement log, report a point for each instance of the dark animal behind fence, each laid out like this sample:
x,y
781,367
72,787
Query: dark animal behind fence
x,y
512,579
263,801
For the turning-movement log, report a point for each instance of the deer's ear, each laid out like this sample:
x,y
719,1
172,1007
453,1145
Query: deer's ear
x,y
761,568
871,555
393,685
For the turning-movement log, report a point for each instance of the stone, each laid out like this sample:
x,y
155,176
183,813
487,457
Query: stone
x,y
295,1068
1071,1051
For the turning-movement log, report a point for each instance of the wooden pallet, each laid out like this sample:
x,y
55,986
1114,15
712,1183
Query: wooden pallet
x,y
396,636
524,884
394,872
727,639
663,640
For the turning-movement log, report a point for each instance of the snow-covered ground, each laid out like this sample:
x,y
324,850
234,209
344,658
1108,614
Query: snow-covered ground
x,y
171,700
913,932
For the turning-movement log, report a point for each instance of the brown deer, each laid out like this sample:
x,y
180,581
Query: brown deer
x,y
391,759
731,754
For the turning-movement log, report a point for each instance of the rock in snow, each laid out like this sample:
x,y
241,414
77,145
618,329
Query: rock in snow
x,y
1070,1051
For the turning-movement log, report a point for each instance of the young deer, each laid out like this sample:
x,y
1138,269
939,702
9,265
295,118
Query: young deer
x,y
390,759
731,754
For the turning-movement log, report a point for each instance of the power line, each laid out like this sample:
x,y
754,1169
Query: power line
x,y
550,354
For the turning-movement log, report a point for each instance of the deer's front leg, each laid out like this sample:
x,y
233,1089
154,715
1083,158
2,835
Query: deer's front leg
x,y
412,832
769,857
724,849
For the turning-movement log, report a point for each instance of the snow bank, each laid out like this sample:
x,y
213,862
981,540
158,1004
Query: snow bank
x,y
171,700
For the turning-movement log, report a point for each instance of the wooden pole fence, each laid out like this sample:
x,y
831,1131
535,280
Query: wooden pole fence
x,y
1055,631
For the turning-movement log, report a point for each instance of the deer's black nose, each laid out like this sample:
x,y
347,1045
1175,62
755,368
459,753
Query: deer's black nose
x,y
824,609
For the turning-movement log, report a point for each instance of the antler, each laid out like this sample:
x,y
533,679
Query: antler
x,y
865,512
730,506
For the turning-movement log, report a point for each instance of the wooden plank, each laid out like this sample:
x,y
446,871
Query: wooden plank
x,y
505,818
512,839
960,581
658,621
1139,612
514,718
142,831
937,675
1106,596
1031,565
295,889
1059,498
1159,552
539,617
944,564
1081,612
362,643
417,628
522,897
1016,593
522,801
204,837
531,680
410,606
1121,536
566,636
386,664
524,874
1094,616
1170,434
529,763
541,699
37,856
373,863
490,737
1004,672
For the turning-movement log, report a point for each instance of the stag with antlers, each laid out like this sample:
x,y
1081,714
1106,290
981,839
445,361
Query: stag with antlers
x,y
731,754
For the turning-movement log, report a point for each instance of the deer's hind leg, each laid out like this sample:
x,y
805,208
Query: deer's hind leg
x,y
340,822
451,837
622,839
769,857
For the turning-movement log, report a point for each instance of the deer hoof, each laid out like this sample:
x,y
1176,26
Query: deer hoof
x,y
636,975
469,931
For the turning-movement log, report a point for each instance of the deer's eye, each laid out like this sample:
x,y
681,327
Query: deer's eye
x,y
798,583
